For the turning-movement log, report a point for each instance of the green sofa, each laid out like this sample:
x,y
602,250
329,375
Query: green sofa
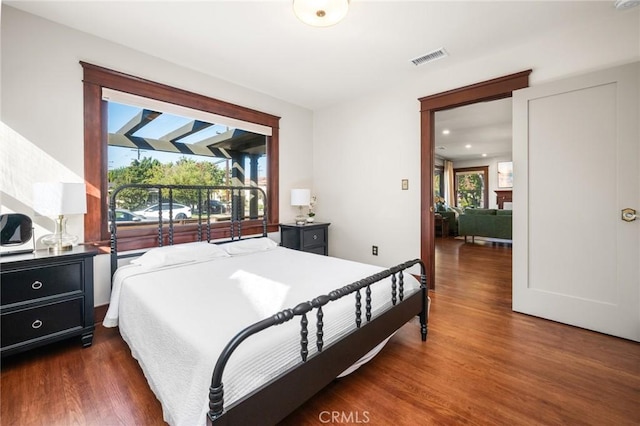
x,y
486,223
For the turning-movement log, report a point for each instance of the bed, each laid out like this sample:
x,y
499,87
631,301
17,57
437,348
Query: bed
x,y
242,329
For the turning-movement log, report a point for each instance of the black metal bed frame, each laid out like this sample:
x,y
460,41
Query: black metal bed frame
x,y
274,400
204,193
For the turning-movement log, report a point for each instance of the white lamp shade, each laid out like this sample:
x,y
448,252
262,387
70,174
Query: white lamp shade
x,y
59,198
300,197
320,13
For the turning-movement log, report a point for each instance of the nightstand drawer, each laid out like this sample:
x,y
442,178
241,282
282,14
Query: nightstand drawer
x,y
29,324
317,250
29,284
313,237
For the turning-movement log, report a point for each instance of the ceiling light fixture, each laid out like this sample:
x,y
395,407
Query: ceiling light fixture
x,y
446,131
467,146
320,13
626,4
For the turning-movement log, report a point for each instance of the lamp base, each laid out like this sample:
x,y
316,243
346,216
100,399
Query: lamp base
x,y
60,249
301,220
60,241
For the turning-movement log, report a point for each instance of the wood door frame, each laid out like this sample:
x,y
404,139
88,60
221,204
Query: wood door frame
x,y
490,90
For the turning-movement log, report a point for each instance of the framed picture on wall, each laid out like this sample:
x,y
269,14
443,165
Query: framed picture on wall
x,y
505,174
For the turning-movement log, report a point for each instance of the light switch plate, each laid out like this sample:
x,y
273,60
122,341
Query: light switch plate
x,y
405,184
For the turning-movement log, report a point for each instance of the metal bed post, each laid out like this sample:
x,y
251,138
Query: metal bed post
x,y
200,214
160,237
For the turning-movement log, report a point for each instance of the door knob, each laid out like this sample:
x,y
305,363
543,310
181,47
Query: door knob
x,y
629,215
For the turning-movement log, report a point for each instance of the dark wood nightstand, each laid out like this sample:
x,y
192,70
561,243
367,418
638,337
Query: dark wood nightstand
x,y
46,297
312,237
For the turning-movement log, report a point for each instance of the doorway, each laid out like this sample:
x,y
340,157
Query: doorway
x,y
498,88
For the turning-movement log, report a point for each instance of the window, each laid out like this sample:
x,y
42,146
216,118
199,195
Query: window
x,y
167,145
438,181
98,81
471,187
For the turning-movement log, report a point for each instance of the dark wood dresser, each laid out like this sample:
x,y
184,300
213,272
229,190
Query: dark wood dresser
x,y
312,237
46,297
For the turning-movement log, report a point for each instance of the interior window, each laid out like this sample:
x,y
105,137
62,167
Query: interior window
x,y
471,187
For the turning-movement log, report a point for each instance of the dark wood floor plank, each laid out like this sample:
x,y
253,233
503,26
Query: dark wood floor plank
x,y
482,365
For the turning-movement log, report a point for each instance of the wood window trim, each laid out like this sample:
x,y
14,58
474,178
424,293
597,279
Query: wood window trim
x,y
96,229
490,90
485,187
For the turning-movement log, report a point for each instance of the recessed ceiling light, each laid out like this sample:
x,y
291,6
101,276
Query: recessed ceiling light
x,y
467,146
446,131
484,155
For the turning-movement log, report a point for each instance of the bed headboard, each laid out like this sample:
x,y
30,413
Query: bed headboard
x,y
169,197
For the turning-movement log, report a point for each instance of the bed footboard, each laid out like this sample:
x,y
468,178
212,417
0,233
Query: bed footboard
x,y
276,399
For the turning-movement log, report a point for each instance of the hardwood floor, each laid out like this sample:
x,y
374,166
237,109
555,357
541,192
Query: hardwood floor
x,y
482,364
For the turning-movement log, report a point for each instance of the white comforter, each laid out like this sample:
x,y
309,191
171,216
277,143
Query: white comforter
x,y
177,319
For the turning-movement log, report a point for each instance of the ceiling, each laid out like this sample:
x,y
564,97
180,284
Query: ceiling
x,y
262,46
474,130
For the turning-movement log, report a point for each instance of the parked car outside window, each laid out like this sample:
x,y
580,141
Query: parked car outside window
x,y
125,217
180,211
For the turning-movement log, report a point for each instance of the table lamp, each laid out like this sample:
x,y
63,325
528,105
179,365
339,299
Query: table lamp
x,y
57,199
300,197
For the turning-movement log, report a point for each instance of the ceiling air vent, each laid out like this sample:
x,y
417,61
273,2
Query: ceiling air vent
x,y
430,57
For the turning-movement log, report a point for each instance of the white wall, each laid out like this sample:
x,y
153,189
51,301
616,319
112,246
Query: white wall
x,y
363,148
42,113
362,151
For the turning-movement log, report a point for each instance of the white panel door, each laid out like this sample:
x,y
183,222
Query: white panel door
x,y
576,157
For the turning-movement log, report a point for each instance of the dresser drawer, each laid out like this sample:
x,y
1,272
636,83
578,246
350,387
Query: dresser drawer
x,y
313,237
29,324
28,284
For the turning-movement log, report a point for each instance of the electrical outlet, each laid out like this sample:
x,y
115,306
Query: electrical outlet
x,y
374,250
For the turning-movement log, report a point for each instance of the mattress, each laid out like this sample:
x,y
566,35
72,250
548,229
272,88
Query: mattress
x,y
177,318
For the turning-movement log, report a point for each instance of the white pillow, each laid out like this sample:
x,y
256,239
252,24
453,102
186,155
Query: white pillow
x,y
201,250
182,253
160,256
250,245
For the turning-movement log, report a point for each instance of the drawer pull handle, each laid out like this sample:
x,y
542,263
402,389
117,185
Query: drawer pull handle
x,y
36,324
37,285
315,237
